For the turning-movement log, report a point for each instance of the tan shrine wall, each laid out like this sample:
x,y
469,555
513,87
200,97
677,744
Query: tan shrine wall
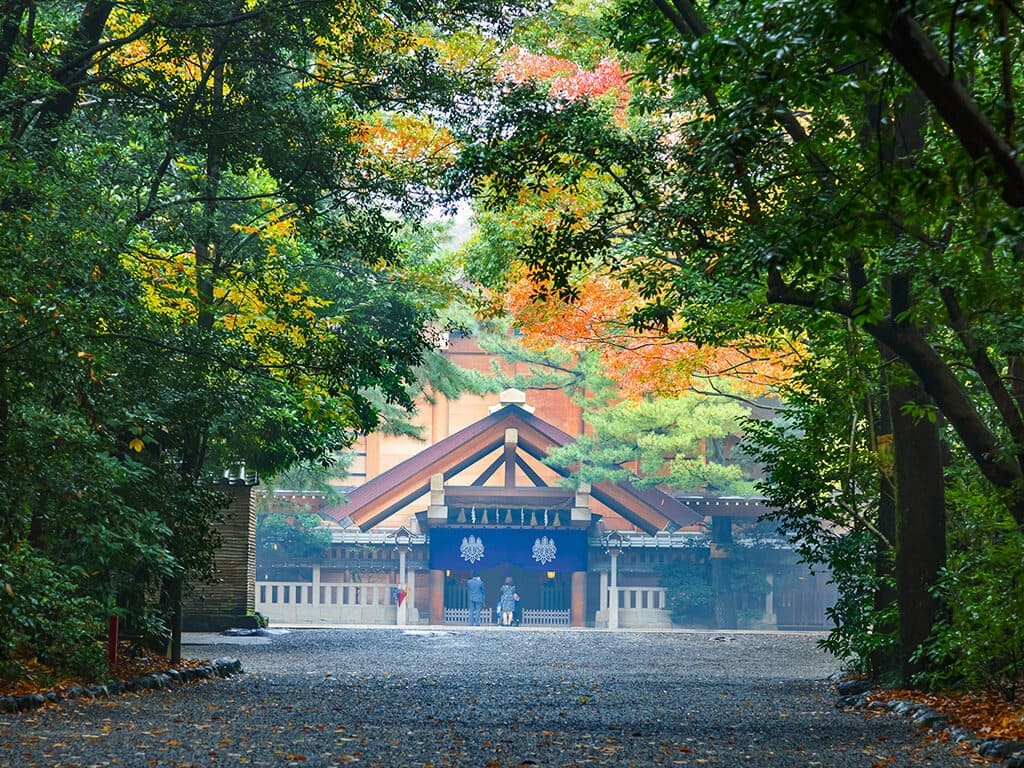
x,y
378,453
438,418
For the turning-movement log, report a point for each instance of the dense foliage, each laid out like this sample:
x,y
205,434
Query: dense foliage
x,y
201,218
820,172
979,642
690,590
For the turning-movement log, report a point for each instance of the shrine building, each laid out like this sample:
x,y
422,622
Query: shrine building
x,y
480,499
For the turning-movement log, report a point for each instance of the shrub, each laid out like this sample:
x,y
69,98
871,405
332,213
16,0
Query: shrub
x,y
691,595
44,619
980,642
862,633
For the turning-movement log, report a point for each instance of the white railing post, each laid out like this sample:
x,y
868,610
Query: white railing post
x,y
613,591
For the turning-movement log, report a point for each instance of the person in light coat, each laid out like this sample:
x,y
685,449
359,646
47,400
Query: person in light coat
x,y
509,596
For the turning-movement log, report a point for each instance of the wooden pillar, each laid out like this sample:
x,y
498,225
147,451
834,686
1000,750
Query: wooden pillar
x,y
770,618
578,609
437,509
721,572
439,418
581,505
372,443
316,589
511,444
437,597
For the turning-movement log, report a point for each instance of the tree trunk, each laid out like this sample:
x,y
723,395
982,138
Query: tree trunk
x,y
920,518
980,138
174,593
77,60
885,661
13,14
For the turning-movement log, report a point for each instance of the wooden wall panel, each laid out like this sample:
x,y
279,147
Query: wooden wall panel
x,y
227,602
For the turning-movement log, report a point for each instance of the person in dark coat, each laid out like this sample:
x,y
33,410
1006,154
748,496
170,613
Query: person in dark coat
x,y
475,590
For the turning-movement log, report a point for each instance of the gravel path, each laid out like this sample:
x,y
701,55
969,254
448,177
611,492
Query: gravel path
x,y
488,698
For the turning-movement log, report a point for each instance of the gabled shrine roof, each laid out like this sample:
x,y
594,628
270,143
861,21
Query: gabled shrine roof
x,y
372,503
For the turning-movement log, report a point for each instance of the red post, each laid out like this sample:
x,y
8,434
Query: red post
x,y
112,642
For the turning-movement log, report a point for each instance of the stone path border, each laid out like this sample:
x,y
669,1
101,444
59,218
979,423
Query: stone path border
x,y
854,692
222,667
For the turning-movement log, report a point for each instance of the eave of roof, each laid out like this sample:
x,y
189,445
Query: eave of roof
x,y
370,504
748,507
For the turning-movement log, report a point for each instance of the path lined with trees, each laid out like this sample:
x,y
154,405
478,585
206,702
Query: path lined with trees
x,y
209,256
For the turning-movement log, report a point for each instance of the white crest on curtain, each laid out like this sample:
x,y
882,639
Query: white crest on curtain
x,y
472,549
544,550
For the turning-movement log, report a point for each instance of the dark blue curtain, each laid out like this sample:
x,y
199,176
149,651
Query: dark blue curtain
x,y
468,549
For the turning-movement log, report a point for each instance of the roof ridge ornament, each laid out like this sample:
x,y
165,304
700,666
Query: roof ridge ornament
x,y
512,396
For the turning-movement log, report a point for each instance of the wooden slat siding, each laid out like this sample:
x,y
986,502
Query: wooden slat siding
x,y
234,593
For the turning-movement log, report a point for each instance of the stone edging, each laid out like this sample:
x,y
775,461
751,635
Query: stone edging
x,y
222,667
854,693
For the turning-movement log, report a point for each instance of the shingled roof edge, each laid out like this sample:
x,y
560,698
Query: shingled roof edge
x,y
654,500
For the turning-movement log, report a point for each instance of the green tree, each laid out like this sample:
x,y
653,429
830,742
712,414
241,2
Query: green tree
x,y
679,442
290,538
200,207
691,594
829,471
785,168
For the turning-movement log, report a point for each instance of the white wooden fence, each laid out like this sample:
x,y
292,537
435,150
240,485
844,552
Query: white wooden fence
x,y
639,607
642,597
341,603
531,617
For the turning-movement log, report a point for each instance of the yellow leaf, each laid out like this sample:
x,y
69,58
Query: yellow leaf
x,y
136,445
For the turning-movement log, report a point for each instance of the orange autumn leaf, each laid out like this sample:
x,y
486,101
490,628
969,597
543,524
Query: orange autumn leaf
x,y
642,362
394,139
568,80
987,715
